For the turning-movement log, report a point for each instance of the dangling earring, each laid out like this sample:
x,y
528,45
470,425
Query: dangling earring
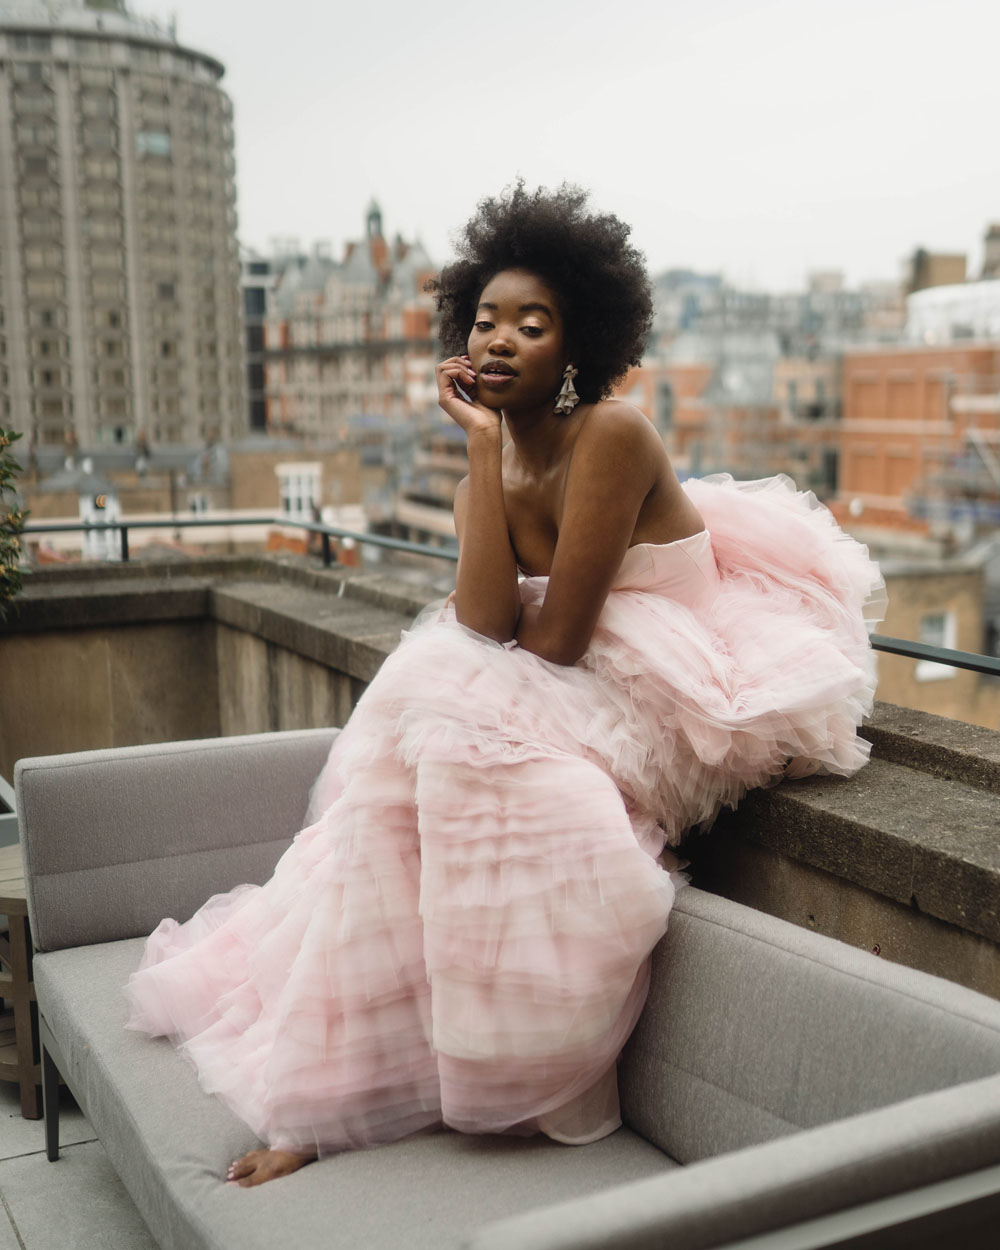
x,y
567,399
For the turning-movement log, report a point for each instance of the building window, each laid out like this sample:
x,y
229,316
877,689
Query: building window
x,y
106,288
937,629
146,56
31,71
100,167
42,257
43,288
93,77
40,197
95,136
32,43
152,142
254,301
298,485
106,258
666,405
36,134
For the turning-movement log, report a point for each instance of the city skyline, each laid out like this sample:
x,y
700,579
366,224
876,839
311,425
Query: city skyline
x,y
763,143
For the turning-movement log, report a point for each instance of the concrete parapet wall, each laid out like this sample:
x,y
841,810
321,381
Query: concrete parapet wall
x,y
904,857
69,689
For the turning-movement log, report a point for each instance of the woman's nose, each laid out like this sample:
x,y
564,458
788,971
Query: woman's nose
x,y
499,343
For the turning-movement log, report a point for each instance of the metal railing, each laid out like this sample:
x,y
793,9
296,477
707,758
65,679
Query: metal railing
x,y
170,521
989,665
938,655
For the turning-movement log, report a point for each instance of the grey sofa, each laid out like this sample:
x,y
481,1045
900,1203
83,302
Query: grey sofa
x,y
814,1095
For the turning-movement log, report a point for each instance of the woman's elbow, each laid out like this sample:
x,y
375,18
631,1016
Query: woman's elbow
x,y
485,628
559,651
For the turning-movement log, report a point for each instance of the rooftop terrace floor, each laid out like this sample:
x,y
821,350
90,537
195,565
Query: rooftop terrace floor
x,y
77,1203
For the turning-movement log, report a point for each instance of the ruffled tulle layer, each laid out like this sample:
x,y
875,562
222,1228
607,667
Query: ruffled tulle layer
x,y
461,934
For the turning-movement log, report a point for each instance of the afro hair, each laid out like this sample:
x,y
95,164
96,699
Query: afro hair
x,y
598,277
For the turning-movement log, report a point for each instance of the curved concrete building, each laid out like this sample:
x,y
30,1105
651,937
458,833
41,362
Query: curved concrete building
x,y
119,268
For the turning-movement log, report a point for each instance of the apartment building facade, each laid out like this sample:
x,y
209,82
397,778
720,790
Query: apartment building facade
x,y
120,318
353,340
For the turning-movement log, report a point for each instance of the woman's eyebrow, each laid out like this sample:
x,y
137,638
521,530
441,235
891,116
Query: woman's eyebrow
x,y
543,308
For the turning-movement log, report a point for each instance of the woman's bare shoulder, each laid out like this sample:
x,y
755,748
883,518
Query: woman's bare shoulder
x,y
615,425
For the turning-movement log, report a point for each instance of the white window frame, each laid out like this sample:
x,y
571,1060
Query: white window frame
x,y
937,629
299,489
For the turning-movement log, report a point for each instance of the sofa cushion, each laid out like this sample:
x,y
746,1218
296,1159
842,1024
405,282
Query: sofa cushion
x,y
756,1028
171,1144
115,840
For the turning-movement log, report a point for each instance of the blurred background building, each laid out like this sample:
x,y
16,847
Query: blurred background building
x,y
119,269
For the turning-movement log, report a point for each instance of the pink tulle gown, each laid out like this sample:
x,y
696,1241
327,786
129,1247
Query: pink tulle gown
x,y
461,935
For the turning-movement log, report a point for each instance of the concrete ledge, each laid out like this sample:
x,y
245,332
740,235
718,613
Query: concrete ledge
x,y
950,749
344,633
85,596
83,605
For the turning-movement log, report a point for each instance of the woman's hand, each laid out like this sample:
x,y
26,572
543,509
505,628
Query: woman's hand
x,y
473,417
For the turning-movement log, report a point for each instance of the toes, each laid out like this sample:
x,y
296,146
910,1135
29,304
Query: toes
x,y
244,1166
265,1165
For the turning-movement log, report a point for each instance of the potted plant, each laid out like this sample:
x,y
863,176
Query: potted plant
x,y
11,524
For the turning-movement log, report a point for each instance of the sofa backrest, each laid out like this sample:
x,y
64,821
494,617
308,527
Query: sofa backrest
x,y
755,1028
116,840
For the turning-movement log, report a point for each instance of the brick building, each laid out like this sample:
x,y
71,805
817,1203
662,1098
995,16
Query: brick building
x,y
714,415
920,432
352,338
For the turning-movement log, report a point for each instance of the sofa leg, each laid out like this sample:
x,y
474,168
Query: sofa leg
x,y
50,1105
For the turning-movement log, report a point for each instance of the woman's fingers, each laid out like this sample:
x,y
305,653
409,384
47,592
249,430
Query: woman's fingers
x,y
457,369
463,408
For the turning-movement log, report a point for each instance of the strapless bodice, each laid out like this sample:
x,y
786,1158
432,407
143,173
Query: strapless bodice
x,y
683,570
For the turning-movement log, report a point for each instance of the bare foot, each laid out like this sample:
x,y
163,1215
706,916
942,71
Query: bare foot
x,y
266,1165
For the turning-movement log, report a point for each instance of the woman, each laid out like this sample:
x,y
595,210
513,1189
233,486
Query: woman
x,y
461,934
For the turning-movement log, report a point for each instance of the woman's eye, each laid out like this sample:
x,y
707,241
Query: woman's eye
x,y
483,325
532,331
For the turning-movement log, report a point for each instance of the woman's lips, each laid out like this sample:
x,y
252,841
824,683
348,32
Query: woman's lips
x,y
495,379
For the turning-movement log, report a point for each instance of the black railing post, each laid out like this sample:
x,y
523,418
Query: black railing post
x,y
327,549
124,536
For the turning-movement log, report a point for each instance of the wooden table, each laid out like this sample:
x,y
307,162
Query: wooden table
x,y
18,1037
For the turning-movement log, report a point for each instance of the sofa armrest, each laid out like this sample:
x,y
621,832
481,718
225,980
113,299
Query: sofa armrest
x,y
115,840
719,1201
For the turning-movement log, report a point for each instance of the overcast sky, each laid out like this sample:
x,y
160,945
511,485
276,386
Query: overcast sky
x,y
762,138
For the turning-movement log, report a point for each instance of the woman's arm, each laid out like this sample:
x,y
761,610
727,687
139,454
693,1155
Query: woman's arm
x,y
617,460
486,598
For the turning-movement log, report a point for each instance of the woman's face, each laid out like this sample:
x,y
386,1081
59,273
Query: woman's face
x,y
516,344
